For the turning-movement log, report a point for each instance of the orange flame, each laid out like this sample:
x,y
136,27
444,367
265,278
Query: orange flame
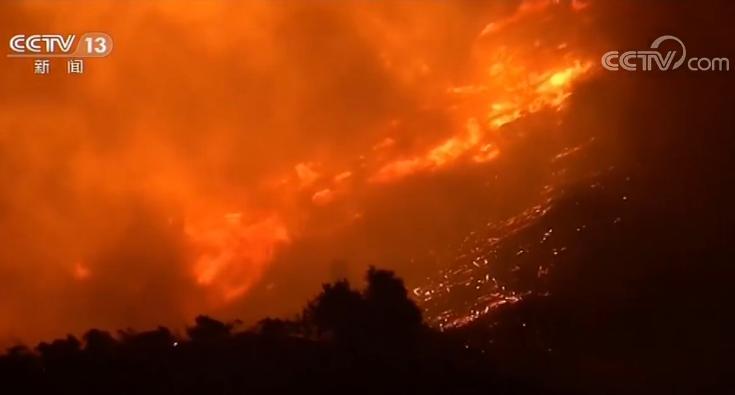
x,y
511,84
235,254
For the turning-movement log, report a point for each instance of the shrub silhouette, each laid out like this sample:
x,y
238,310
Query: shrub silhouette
x,y
208,329
345,341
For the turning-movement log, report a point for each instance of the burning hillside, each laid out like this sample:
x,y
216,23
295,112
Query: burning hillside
x,y
227,158
260,145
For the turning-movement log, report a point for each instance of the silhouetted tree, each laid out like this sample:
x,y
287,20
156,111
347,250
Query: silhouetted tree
x,y
392,314
97,341
338,311
208,329
373,339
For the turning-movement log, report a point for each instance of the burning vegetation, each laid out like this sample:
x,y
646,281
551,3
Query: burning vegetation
x,y
546,215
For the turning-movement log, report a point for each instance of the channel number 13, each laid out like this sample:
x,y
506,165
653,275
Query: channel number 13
x,y
96,45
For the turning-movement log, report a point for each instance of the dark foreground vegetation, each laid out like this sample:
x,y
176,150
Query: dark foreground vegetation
x,y
644,307
374,341
346,341
640,305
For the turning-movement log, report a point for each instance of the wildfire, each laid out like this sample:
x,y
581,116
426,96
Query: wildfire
x,y
512,82
288,131
234,254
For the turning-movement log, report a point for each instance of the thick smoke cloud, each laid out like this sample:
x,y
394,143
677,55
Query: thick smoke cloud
x,y
162,183
224,158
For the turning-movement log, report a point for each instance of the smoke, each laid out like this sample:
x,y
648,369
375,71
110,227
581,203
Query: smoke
x,y
227,158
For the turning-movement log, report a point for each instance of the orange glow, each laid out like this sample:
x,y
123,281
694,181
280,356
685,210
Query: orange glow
x,y
190,171
234,254
81,272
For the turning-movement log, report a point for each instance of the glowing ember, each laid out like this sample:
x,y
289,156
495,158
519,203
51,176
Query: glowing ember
x,y
283,134
511,84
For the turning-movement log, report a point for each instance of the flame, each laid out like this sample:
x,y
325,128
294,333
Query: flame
x,y
234,254
436,157
277,121
546,91
511,84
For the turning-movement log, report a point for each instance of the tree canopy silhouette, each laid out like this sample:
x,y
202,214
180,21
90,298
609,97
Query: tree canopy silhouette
x,y
373,338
